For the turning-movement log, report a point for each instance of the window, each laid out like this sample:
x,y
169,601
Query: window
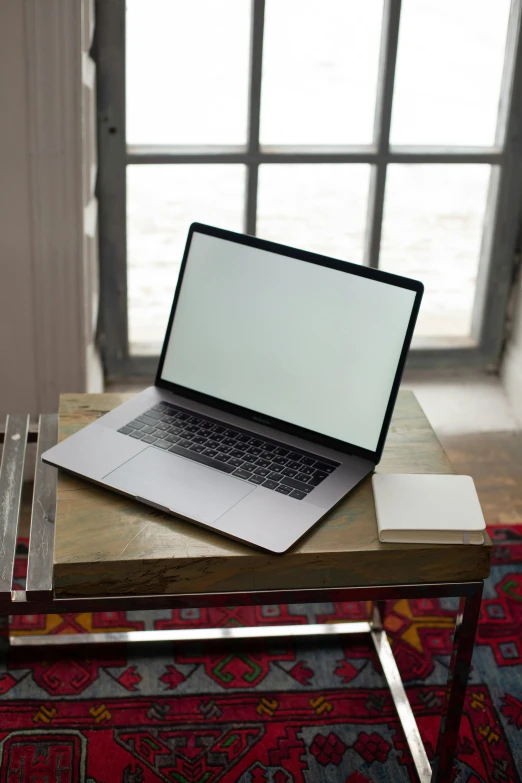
x,y
381,132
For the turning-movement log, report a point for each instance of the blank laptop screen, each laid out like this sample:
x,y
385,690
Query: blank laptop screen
x,y
309,345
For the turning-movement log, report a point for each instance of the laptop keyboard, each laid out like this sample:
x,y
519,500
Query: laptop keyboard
x,y
251,458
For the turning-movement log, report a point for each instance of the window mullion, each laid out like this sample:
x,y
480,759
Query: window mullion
x,y
254,112
109,51
383,109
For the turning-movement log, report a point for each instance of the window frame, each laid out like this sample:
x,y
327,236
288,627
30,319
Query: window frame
x,y
500,234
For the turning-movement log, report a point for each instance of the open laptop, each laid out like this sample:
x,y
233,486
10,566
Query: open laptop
x,y
274,392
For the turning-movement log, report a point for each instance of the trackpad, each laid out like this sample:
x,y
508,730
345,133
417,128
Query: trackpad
x,y
184,487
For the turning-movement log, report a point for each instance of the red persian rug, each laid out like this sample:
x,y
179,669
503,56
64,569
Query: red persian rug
x,y
267,712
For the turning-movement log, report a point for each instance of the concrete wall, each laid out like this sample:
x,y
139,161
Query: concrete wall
x,y
48,213
512,365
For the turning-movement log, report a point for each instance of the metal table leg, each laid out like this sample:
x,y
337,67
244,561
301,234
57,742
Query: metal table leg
x,y
460,665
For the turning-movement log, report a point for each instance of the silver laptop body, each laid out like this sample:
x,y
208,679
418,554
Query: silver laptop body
x,y
275,389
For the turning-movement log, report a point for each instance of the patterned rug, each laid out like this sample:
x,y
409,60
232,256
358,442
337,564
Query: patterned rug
x,y
265,712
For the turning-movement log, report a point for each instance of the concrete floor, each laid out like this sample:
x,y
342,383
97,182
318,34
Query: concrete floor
x,y
481,435
463,404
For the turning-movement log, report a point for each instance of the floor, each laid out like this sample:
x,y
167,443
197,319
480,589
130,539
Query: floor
x,y
482,437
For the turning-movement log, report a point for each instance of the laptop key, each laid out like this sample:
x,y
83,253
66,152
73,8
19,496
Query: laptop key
x,y
261,472
323,467
298,495
256,479
269,484
163,444
202,458
319,476
294,465
210,452
228,441
269,447
302,477
251,466
283,490
263,463
314,481
172,439
304,469
138,435
222,457
275,476
199,439
281,452
149,439
147,430
235,461
307,461
154,414
288,472
147,420
242,439
279,460
186,444
294,456
136,425
197,448
125,430
291,482
242,474
236,453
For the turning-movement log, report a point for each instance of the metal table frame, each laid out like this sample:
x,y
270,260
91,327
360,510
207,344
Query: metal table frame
x,y
39,598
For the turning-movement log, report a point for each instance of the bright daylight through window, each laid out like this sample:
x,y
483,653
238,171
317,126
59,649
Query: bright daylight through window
x,y
369,131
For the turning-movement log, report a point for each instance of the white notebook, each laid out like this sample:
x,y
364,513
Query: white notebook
x,y
427,509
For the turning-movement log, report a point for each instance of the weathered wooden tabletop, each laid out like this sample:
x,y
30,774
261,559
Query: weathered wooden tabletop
x,y
107,544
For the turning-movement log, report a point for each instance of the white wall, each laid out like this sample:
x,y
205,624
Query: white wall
x,y
48,213
512,365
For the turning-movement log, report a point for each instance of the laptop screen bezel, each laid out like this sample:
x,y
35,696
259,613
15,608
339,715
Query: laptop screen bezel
x,y
312,258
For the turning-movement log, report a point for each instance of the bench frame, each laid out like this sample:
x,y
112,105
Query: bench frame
x,y
39,598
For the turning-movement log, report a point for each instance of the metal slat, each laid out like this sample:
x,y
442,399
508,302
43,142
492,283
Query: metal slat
x,y
400,699
11,479
41,540
192,634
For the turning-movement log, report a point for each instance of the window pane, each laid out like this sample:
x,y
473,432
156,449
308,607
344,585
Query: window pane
x,y
432,231
187,71
320,65
449,68
320,207
162,201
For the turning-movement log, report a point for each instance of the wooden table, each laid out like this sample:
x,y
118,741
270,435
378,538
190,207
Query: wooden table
x,y
92,550
107,544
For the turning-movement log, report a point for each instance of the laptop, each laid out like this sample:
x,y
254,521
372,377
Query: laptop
x,y
273,396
